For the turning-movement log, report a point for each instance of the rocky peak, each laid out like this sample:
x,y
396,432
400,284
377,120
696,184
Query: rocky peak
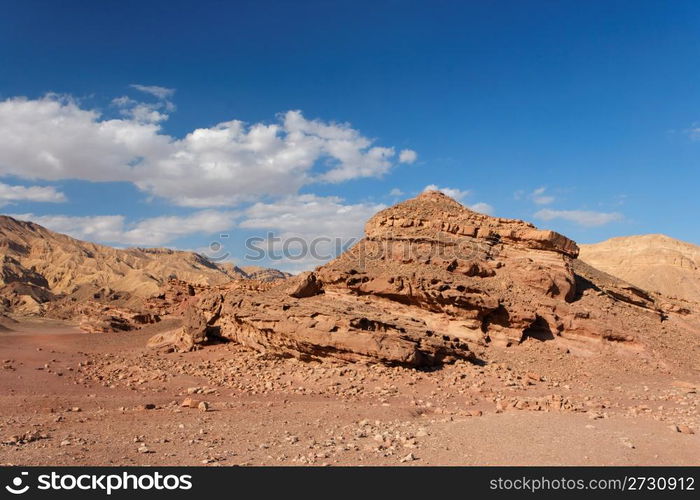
x,y
433,213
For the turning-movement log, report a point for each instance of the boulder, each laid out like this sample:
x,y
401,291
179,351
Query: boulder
x,y
305,285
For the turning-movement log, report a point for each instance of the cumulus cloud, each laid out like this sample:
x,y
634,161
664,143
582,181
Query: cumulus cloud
x,y
12,194
153,231
311,214
325,225
581,217
457,194
54,138
396,192
407,156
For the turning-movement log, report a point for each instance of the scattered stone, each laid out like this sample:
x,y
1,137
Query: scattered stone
x,y
27,437
190,403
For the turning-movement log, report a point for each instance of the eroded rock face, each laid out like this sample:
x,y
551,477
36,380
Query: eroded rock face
x,y
430,278
484,278
333,325
306,285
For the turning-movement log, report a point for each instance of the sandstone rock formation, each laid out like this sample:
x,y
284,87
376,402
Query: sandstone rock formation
x,y
430,279
654,262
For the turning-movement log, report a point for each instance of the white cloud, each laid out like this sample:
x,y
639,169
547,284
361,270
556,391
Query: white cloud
x,y
12,194
142,112
54,138
154,90
540,197
482,207
457,194
325,224
309,214
581,217
147,112
147,232
396,192
407,156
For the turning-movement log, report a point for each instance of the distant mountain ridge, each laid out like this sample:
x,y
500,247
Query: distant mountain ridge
x,y
38,261
655,262
265,273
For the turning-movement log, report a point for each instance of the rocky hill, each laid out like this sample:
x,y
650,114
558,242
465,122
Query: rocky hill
x,y
431,282
654,262
264,273
39,265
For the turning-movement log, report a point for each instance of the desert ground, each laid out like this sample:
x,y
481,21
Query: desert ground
x,y
75,398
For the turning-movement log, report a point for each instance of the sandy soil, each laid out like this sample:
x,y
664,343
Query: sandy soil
x,y
70,398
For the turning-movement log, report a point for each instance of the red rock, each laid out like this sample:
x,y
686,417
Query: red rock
x,y
190,403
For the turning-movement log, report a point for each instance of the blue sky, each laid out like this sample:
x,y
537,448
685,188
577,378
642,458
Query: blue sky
x,y
583,117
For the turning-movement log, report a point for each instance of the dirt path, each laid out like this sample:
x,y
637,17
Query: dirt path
x,y
70,398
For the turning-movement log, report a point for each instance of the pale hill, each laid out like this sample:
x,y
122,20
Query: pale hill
x,y
654,262
33,255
